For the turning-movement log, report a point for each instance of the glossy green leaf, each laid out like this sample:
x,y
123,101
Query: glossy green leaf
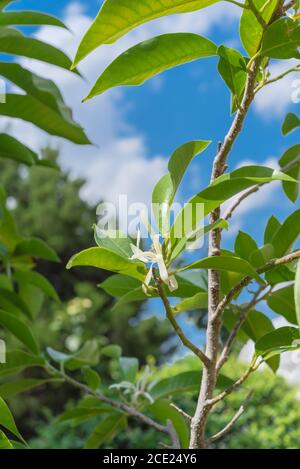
x,y
278,341
113,240
292,157
227,263
221,190
187,381
232,68
36,248
37,280
29,18
12,388
272,227
165,190
4,441
118,17
106,430
287,234
282,39
261,256
17,361
12,149
7,420
282,301
108,260
129,367
291,123
20,330
251,30
198,301
245,245
32,110
151,57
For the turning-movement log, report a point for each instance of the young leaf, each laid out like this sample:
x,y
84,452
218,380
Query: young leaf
x,y
291,123
118,17
198,301
165,190
272,227
281,40
232,68
108,260
20,330
151,57
251,29
245,245
278,341
129,368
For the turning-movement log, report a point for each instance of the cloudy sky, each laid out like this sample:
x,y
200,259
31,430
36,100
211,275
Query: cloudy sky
x,y
134,130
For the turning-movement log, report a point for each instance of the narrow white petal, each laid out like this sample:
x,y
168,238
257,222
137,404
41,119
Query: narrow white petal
x,y
173,285
163,273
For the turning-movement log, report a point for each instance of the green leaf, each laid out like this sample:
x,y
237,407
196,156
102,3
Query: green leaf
x,y
20,330
111,351
87,356
30,109
251,31
106,430
14,42
162,411
38,280
81,414
198,301
297,293
113,240
129,368
118,17
187,381
13,303
278,341
282,39
91,377
4,441
165,190
218,192
17,361
7,420
291,123
12,149
282,301
13,388
272,227
29,18
151,57
292,157
119,285
232,68
287,234
107,260
36,248
245,245
226,263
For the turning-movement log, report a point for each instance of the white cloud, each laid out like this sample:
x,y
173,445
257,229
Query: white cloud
x,y
120,163
273,100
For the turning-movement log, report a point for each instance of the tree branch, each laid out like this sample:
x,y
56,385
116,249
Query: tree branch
x,y
181,412
232,422
170,315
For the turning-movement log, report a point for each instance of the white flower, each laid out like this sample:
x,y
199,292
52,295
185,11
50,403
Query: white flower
x,y
153,257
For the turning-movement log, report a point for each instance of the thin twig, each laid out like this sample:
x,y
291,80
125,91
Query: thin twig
x,y
232,422
173,435
277,78
181,412
170,316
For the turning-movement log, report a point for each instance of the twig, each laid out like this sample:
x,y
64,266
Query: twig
x,y
173,435
115,404
246,280
232,422
170,315
181,412
277,78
